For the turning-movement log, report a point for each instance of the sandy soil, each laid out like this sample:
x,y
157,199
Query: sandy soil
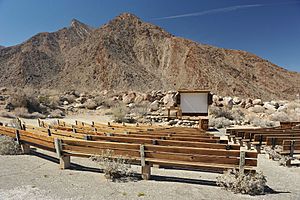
x,y
38,177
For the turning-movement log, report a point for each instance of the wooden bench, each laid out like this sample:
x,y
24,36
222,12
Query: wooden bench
x,y
145,155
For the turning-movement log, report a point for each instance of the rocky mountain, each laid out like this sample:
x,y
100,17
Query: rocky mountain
x,y
129,54
1,47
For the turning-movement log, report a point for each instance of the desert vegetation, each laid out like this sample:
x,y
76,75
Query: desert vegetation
x,y
8,146
114,167
244,183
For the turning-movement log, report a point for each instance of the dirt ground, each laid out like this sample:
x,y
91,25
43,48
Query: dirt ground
x,y
37,176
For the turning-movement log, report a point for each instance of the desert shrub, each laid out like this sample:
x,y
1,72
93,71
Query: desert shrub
x,y
275,155
280,116
27,99
231,114
8,115
23,112
220,122
257,109
114,167
245,183
50,101
140,110
263,123
8,146
119,113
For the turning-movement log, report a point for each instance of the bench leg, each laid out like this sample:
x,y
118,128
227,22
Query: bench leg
x,y
64,162
248,145
241,143
25,148
146,172
258,147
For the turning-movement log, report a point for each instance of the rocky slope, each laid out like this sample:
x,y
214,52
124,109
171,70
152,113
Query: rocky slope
x,y
129,54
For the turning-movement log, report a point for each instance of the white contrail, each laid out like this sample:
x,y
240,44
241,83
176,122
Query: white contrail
x,y
212,11
221,10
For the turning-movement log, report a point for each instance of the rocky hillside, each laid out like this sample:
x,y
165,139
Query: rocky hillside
x,y
1,47
129,54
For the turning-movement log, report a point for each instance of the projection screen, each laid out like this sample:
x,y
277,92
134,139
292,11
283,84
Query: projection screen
x,y
194,103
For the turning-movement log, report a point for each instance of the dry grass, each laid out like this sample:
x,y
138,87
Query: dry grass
x,y
251,183
114,167
220,122
8,146
119,113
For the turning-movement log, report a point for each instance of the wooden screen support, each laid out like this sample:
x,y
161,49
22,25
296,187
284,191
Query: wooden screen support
x,y
146,168
49,132
64,161
242,161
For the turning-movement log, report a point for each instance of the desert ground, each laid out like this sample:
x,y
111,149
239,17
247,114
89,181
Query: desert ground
x,y
37,176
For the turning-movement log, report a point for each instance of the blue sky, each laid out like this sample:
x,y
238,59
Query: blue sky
x,y
267,28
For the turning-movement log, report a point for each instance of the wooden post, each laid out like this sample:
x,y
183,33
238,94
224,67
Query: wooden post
x,y
108,124
24,147
242,161
292,148
64,161
258,148
76,123
146,168
93,123
49,132
273,142
248,145
39,122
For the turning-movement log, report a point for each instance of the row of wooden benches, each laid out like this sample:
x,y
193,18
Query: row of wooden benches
x,y
143,151
288,138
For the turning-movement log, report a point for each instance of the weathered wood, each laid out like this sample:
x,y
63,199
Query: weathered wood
x,y
242,161
146,171
142,153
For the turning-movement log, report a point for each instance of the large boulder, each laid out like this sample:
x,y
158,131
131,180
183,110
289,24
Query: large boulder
x,y
257,102
129,98
154,106
228,102
237,100
269,106
169,99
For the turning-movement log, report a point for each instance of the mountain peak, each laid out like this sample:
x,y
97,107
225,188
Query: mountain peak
x,y
128,16
76,23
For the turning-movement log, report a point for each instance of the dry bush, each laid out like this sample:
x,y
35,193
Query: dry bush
x,y
231,114
119,113
275,155
114,167
23,112
251,183
8,146
257,109
7,115
280,116
140,110
220,122
26,98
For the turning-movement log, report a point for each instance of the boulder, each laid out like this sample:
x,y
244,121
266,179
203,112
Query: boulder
x,y
66,103
57,114
269,106
139,98
154,106
129,98
237,100
90,104
257,102
228,102
215,98
275,104
78,105
169,100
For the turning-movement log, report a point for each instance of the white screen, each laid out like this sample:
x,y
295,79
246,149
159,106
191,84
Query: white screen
x,y
194,102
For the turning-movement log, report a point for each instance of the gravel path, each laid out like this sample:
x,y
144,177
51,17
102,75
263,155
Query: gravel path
x,y
34,177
